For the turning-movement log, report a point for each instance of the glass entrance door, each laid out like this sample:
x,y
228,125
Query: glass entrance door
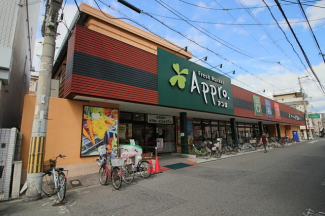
x,y
150,138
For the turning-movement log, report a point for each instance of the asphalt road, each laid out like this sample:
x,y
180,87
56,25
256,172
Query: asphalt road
x,y
284,181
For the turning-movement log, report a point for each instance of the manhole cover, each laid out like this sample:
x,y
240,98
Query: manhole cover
x,y
75,183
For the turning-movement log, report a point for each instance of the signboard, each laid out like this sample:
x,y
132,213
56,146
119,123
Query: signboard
x,y
277,111
159,119
268,109
160,143
313,116
295,117
257,106
184,84
99,130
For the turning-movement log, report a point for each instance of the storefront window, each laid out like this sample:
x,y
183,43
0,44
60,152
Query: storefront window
x,y
126,116
138,134
138,117
214,122
197,133
196,121
222,132
167,132
207,122
215,132
207,133
241,134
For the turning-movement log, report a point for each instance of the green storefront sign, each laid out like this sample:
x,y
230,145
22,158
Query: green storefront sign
x,y
314,116
257,106
184,84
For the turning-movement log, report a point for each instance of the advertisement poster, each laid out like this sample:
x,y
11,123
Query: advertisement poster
x,y
277,111
257,106
160,143
268,109
99,130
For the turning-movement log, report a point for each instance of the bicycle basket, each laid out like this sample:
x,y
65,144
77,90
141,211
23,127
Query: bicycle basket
x,y
117,162
48,165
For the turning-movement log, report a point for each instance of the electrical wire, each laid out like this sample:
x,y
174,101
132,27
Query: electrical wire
x,y
233,24
128,18
219,55
302,50
311,30
202,30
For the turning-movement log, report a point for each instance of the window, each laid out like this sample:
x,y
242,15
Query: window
x,y
138,117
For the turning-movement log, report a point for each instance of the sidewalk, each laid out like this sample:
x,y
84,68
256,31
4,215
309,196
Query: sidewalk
x,y
164,160
89,180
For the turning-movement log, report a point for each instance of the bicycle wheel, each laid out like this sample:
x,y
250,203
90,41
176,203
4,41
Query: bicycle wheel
x,y
128,174
116,178
62,186
48,186
207,154
145,169
218,154
102,176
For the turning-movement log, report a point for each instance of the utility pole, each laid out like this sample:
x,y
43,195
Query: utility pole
x,y
305,108
39,130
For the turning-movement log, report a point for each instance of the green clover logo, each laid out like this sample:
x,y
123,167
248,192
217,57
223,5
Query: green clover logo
x,y
179,79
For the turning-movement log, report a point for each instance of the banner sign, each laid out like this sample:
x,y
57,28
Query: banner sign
x,y
99,130
313,116
184,84
268,109
257,106
159,119
295,117
277,111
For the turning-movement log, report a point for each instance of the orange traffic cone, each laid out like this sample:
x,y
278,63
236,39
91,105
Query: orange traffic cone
x,y
157,167
151,167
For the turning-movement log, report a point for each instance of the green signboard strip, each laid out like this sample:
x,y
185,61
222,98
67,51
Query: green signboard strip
x,y
314,116
184,84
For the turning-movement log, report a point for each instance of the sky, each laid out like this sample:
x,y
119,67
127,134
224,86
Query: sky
x,y
242,35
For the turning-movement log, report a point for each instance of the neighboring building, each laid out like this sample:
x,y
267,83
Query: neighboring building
x,y
18,24
295,100
118,83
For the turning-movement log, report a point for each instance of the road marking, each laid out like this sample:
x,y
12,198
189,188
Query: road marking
x,y
310,212
323,183
45,203
311,142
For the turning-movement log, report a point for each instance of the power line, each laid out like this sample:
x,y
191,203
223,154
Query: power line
x,y
208,49
233,24
302,50
225,43
268,34
303,4
174,44
225,9
311,31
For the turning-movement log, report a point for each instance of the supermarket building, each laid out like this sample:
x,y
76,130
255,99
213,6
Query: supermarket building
x,y
118,82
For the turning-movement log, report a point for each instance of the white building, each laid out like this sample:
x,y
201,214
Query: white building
x,y
18,24
295,100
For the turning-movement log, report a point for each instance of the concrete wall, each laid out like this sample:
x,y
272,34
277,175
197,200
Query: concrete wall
x,y
63,134
14,37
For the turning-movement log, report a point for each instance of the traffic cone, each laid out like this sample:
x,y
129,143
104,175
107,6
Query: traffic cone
x,y
151,167
157,167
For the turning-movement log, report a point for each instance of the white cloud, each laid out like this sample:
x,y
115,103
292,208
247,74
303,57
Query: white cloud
x,y
219,26
240,31
241,20
201,4
286,82
315,13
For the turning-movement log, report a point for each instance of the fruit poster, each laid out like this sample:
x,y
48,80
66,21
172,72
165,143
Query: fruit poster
x,y
99,130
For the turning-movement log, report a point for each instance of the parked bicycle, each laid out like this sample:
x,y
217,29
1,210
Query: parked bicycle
x,y
129,168
215,148
109,170
201,150
54,180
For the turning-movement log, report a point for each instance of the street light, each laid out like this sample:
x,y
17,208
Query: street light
x,y
220,66
204,59
233,72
